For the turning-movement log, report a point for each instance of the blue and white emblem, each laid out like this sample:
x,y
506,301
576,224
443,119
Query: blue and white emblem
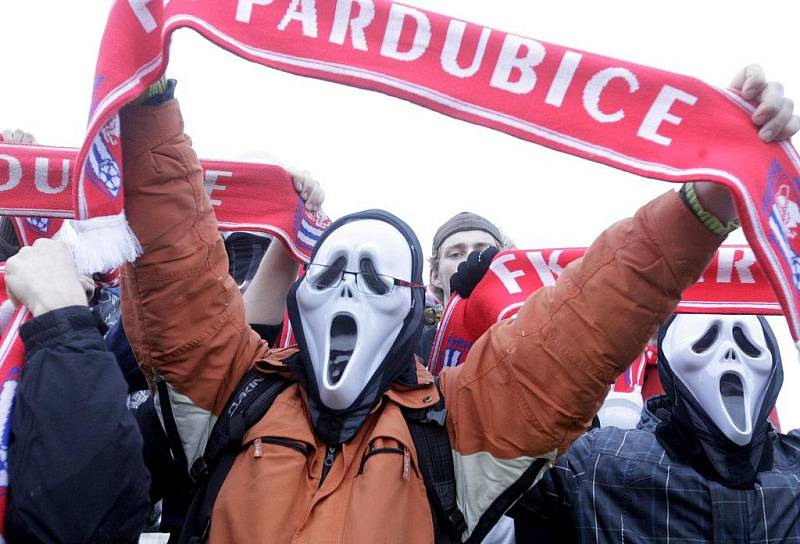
x,y
38,223
309,226
103,168
784,223
452,357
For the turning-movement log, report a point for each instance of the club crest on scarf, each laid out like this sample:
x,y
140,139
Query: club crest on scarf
x,y
784,217
39,223
455,351
30,229
103,161
308,226
452,357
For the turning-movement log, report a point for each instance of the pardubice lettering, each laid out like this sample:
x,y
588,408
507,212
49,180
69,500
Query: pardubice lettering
x,y
514,69
53,180
12,173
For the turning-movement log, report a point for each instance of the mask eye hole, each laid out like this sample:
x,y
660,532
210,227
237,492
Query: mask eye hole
x,y
744,343
325,277
707,340
373,282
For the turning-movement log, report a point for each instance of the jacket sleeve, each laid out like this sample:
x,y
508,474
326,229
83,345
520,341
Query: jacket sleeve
x,y
75,456
182,312
530,385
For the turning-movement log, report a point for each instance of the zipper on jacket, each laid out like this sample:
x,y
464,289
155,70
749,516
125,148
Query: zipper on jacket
x,y
372,451
299,446
330,457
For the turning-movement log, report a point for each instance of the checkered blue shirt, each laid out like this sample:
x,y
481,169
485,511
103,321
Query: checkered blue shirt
x,y
622,487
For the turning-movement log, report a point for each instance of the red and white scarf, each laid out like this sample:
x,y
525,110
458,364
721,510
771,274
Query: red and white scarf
x,y
733,283
245,197
12,357
646,121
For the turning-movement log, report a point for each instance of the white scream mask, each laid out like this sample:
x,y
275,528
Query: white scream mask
x,y
350,322
725,362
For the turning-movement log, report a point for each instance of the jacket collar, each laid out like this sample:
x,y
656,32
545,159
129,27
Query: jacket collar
x,y
422,394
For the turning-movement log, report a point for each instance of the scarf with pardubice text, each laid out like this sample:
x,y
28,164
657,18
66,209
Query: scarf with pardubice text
x,y
650,122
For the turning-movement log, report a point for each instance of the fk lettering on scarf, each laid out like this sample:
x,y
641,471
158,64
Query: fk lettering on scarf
x,y
733,283
632,117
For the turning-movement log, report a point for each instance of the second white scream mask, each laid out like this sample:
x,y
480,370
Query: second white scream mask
x,y
726,364
357,316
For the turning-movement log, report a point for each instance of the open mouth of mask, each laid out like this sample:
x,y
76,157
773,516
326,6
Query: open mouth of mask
x,y
343,342
732,391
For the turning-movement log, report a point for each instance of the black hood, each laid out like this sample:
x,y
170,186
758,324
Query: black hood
x,y
690,435
337,426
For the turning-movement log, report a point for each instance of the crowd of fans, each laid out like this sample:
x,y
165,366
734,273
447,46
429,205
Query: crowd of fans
x,y
126,390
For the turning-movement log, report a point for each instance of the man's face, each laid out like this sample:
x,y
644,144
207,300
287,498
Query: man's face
x,y
454,251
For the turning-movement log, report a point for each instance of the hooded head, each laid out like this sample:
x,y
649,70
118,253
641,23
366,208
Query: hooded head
x,y
722,375
357,316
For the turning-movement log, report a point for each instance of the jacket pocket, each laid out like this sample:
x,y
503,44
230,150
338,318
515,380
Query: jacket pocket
x,y
259,442
387,492
378,449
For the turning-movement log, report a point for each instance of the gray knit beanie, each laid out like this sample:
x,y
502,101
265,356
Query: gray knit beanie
x,y
462,222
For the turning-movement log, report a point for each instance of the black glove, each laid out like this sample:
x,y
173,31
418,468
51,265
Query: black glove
x,y
471,271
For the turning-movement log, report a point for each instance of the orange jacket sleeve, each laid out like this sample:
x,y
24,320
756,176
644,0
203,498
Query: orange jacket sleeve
x,y
531,384
182,312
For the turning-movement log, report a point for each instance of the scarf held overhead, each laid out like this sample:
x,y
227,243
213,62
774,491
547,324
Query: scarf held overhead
x,y
646,121
733,283
245,197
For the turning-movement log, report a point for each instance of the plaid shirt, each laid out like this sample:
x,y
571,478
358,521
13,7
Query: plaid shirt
x,y
621,486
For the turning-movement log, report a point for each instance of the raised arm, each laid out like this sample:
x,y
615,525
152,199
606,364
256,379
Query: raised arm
x,y
182,312
530,385
265,297
76,471
569,341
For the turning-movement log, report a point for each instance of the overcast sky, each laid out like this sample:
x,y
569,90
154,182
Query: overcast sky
x,y
370,150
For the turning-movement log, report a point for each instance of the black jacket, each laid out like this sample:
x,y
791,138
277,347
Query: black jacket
x,y
76,472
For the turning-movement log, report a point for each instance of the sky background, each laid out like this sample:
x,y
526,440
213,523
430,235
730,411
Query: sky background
x,y
372,151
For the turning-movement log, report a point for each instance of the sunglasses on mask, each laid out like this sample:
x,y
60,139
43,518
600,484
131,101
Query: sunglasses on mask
x,y
368,281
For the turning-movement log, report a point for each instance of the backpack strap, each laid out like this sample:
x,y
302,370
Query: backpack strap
x,y
170,427
429,434
246,406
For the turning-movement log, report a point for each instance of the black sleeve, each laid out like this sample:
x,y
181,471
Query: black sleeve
x,y
425,345
541,514
76,472
118,345
544,513
171,482
269,333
